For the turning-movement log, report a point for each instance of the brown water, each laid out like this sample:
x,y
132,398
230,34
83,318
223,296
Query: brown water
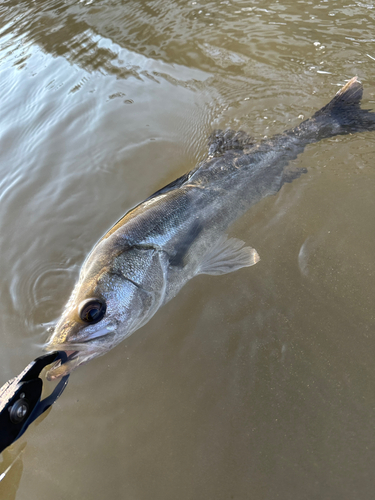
x,y
255,385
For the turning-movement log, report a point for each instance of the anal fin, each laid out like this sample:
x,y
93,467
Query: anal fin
x,y
228,255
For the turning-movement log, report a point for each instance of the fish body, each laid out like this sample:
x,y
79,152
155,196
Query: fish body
x,y
178,232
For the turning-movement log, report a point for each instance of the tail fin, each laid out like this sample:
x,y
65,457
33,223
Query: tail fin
x,y
343,115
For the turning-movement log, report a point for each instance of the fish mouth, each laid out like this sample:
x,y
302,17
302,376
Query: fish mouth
x,y
78,350
59,370
77,355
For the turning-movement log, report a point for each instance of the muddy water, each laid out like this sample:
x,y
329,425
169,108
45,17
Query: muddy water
x,y
258,384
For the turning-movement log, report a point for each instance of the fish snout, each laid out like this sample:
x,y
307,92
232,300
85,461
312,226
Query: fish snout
x,y
80,343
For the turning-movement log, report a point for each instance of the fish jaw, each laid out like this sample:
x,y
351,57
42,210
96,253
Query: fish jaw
x,y
75,359
78,354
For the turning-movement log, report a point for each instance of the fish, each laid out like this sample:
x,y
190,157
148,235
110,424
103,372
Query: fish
x,y
179,232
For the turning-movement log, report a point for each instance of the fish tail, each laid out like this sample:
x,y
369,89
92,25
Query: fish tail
x,y
343,114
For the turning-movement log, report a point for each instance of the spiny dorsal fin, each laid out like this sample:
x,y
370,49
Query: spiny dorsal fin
x,y
169,187
221,141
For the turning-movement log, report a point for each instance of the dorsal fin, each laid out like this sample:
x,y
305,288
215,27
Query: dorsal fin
x,y
221,141
172,185
169,187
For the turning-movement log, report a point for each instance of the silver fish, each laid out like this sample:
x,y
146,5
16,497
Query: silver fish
x,y
179,232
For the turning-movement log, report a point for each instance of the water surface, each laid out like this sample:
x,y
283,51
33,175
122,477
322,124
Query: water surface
x,y
258,384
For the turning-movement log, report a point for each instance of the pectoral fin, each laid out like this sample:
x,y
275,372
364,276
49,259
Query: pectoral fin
x,y
226,256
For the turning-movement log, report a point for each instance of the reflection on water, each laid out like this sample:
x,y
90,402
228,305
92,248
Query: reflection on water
x,y
254,384
11,469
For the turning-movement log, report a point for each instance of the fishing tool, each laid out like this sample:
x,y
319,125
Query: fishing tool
x,y
20,398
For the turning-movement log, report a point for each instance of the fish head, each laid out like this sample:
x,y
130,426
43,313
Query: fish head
x,y
117,293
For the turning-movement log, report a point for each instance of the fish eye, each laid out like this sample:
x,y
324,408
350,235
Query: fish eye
x,y
91,310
